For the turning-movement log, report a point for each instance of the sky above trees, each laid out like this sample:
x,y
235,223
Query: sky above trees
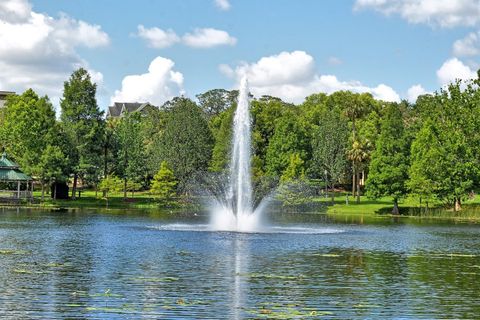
x,y
147,50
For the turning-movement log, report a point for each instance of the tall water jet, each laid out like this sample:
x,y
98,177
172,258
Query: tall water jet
x,y
236,212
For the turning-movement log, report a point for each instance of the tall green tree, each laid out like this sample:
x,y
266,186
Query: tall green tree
x,y
290,136
355,107
83,124
329,147
186,141
131,158
428,163
390,160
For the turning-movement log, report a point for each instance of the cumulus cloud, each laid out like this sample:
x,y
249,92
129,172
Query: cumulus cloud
x,y
158,38
40,51
443,13
223,4
454,69
199,38
159,84
468,46
291,76
414,92
208,37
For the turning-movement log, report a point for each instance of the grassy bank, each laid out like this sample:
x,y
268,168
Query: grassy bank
x,y
92,199
410,207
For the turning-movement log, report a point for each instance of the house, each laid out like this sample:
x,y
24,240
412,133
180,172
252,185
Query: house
x,y
120,108
3,97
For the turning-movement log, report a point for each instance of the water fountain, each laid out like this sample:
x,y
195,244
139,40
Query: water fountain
x,y
236,212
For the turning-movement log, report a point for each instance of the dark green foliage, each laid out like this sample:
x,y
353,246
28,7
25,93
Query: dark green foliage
x,y
215,101
186,142
222,128
329,147
389,165
131,158
83,126
290,137
28,127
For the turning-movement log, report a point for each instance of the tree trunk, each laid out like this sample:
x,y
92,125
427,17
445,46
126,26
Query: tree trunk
x,y
74,188
333,193
457,205
43,191
55,191
357,179
395,210
354,183
125,188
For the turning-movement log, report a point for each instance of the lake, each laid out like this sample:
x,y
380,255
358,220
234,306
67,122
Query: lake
x,y
113,265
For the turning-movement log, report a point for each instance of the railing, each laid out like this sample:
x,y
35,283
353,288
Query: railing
x,y
12,194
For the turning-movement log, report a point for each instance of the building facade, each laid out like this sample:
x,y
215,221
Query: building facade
x,y
3,97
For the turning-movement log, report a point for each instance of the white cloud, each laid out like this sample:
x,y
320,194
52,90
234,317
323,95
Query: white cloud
x,y
414,92
159,84
223,4
158,38
207,38
468,46
39,51
199,38
453,69
443,13
291,76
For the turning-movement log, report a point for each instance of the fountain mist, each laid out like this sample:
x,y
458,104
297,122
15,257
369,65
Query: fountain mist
x,y
236,212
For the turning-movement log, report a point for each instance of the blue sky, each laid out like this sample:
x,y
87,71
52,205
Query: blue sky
x,y
392,48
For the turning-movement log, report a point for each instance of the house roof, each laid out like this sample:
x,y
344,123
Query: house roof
x,y
119,108
6,93
10,171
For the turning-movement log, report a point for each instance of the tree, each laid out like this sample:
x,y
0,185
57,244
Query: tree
x,y
51,167
131,154
214,102
186,141
294,170
290,137
110,184
264,113
427,162
28,127
164,183
222,129
389,164
84,126
355,107
329,147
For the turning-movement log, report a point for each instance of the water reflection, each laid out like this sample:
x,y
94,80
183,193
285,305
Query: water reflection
x,y
89,265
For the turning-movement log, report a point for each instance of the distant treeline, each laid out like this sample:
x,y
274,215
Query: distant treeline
x,y
430,148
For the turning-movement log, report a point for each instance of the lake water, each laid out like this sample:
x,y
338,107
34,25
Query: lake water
x,y
88,264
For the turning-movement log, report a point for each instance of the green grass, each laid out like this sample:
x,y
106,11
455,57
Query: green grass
x,y
409,206
91,199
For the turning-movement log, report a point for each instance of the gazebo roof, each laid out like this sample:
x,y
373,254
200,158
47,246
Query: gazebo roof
x,y
10,171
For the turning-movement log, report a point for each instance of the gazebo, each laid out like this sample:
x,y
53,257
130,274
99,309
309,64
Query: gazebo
x,y
10,173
